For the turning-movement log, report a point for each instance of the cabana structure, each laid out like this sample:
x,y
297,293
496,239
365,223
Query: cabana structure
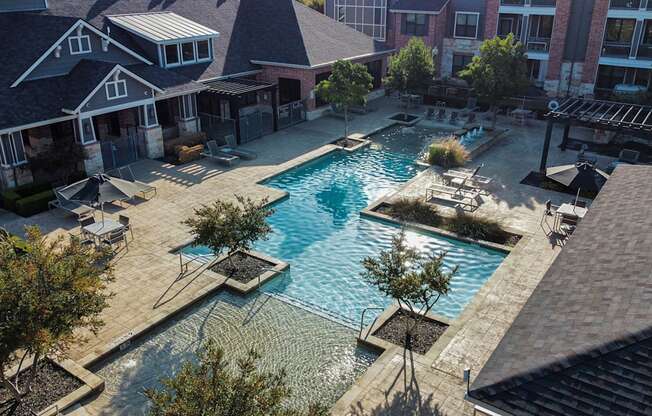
x,y
632,119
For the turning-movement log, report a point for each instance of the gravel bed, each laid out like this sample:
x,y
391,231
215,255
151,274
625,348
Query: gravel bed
x,y
246,267
423,337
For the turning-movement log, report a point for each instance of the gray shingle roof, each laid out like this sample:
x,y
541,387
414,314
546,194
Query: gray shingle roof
x,y
582,342
432,6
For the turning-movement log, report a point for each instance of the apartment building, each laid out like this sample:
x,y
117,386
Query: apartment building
x,y
574,47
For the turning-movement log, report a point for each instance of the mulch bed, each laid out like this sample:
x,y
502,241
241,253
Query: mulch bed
x,y
246,267
51,384
424,336
540,180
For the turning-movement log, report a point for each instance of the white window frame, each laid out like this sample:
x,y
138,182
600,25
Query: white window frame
x,y
184,113
144,118
81,130
78,40
477,25
165,55
112,86
15,139
194,53
210,50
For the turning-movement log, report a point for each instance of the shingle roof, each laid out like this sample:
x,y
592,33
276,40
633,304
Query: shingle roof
x,y
432,6
161,26
582,342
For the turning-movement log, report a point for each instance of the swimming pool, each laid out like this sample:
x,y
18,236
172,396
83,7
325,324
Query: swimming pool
x,y
319,231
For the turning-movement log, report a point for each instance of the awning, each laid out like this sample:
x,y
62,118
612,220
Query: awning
x,y
237,86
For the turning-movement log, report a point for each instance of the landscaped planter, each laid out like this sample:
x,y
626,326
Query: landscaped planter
x,y
58,386
352,143
405,119
252,270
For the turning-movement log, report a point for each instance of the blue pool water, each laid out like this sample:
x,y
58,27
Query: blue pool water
x,y
319,231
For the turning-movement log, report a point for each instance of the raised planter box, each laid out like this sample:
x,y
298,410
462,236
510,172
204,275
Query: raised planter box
x,y
405,119
352,143
276,267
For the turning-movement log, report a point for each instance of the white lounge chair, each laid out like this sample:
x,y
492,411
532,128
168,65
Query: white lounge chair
x,y
144,190
241,153
75,208
453,195
469,177
213,152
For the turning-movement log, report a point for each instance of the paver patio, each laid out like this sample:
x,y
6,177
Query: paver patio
x,y
148,286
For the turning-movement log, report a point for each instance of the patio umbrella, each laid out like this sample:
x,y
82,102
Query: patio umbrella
x,y
98,190
581,175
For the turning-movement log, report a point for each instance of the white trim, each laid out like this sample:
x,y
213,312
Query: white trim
x,y
419,11
538,56
239,74
164,96
477,25
625,62
66,35
526,11
12,149
639,14
165,55
325,64
115,108
115,85
38,124
120,68
81,130
78,39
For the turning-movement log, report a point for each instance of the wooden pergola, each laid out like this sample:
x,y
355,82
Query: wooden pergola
x,y
633,119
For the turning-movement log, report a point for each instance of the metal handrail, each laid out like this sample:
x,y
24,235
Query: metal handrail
x,y
362,317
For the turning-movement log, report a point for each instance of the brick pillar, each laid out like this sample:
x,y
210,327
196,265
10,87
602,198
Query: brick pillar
x,y
594,46
557,43
153,140
491,18
93,162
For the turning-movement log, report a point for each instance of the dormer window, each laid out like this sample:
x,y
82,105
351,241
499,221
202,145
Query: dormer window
x,y
172,55
203,50
185,53
116,89
80,43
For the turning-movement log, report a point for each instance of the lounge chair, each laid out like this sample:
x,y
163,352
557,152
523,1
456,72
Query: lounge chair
x,y
468,177
441,114
75,208
430,113
454,195
213,152
144,190
453,119
241,153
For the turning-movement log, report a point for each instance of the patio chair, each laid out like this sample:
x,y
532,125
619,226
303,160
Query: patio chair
x,y
551,209
144,190
453,119
568,224
454,176
230,140
629,156
441,114
213,152
430,113
116,238
124,220
75,208
84,240
236,151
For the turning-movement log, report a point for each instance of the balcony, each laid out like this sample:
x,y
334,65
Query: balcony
x,y
625,4
532,3
644,52
536,44
616,49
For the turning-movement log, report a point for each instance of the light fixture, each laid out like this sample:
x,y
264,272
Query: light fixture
x,y
57,52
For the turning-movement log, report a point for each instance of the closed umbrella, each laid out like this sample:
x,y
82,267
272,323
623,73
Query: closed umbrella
x,y
100,189
581,175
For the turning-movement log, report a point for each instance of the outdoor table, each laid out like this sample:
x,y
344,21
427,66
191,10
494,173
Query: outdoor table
x,y
100,229
570,210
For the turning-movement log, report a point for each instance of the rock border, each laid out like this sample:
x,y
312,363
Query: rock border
x,y
417,118
361,140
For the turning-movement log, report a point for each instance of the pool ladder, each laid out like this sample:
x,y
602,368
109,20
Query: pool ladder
x,y
371,308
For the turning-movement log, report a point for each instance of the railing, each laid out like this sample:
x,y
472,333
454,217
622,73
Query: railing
x,y
625,4
538,44
362,318
217,128
533,3
291,113
616,49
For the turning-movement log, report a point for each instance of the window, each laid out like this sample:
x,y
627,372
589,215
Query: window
x,y
460,62
172,55
620,30
116,89
188,107
87,130
203,50
415,24
79,44
466,25
375,69
366,16
147,115
188,52
541,26
12,150
506,26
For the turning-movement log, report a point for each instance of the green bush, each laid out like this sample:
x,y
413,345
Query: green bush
x,y
448,153
34,204
415,210
478,228
11,196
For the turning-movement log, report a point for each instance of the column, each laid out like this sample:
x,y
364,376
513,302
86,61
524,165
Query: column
x,y
546,147
93,162
188,121
150,131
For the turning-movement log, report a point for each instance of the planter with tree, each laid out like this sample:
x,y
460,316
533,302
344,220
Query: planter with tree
x,y
499,72
417,281
347,86
229,229
50,289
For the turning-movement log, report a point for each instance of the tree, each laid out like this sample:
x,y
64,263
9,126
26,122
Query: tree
x,y
317,5
499,72
415,280
48,290
348,85
209,388
412,68
225,225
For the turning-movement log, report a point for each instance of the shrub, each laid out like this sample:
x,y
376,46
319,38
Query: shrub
x,y
478,228
415,210
10,196
448,153
34,204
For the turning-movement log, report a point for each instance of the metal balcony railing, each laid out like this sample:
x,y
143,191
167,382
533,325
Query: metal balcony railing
x,y
533,3
625,4
535,44
616,49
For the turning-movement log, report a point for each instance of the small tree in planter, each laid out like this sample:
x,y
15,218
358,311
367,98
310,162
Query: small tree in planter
x,y
499,72
210,388
411,70
415,280
348,85
48,290
231,227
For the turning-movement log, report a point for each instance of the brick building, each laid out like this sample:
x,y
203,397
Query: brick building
x,y
573,47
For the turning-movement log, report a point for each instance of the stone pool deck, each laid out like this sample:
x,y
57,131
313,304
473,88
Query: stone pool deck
x,y
149,287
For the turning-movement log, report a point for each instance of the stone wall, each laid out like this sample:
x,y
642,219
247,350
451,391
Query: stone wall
x,y
454,47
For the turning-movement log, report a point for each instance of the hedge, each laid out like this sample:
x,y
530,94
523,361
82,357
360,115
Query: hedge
x,y
34,204
11,196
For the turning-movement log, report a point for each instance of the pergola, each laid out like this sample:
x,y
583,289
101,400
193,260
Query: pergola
x,y
633,119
